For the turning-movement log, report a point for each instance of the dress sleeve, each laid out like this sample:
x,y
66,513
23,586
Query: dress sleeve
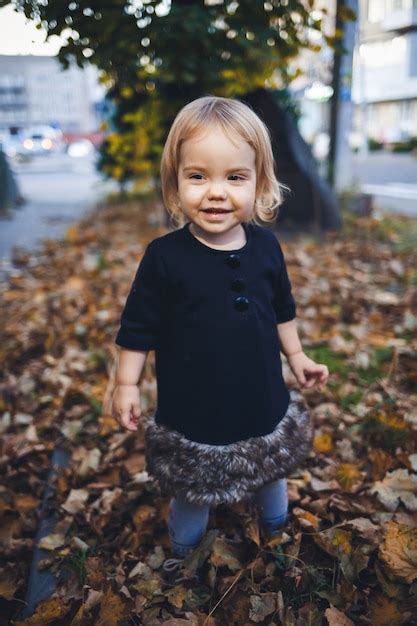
x,y
284,303
142,317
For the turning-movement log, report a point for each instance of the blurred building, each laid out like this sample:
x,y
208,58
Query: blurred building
x,y
37,90
312,89
385,70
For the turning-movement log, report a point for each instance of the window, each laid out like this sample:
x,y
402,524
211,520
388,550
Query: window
x,y
376,10
397,5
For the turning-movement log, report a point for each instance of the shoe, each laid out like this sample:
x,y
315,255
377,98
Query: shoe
x,y
172,573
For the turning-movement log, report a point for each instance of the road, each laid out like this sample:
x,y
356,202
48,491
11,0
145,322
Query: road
x,y
390,178
59,191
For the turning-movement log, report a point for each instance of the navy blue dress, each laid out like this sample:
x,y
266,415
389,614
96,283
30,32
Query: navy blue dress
x,y
211,316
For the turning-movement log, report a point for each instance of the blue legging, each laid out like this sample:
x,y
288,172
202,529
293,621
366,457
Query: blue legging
x,y
187,522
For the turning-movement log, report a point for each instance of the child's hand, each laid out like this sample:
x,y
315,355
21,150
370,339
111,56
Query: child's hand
x,y
306,371
126,406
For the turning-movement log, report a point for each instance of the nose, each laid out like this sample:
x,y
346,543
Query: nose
x,y
216,190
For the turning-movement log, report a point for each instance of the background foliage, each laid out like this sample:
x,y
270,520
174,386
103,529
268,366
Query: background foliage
x,y
154,59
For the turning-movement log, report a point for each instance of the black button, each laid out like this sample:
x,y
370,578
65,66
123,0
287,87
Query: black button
x,y
233,260
241,303
238,284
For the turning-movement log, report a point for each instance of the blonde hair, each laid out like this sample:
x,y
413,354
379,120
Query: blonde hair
x,y
233,116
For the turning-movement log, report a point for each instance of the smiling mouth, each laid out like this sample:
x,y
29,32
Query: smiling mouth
x,y
216,211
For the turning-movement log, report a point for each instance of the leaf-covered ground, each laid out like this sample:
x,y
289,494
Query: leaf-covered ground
x,y
349,552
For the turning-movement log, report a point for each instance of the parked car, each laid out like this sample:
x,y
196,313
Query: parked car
x,y
42,140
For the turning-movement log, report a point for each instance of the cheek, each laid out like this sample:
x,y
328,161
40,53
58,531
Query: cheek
x,y
245,194
190,193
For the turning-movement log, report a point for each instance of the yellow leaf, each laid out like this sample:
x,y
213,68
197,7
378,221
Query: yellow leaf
x,y
48,612
393,420
126,92
334,541
323,443
348,475
72,234
312,519
143,513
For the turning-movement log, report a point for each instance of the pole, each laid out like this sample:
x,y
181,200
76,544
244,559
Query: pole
x,y
340,155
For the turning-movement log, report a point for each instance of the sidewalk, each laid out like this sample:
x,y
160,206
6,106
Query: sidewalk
x,y
390,178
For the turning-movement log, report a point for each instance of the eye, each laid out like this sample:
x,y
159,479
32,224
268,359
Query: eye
x,y
194,175
237,176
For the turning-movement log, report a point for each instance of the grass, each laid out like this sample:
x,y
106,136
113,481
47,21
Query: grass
x,y
398,231
337,363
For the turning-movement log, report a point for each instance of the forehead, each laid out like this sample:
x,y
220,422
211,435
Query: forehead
x,y
215,145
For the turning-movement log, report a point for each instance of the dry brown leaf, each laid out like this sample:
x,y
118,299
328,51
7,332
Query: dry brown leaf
x,y
337,618
26,502
370,532
90,462
148,588
309,519
324,485
112,610
261,606
398,485
9,578
398,552
392,589
176,596
76,500
223,554
335,541
383,611
52,541
107,500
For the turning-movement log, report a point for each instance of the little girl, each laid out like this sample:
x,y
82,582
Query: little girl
x,y
213,299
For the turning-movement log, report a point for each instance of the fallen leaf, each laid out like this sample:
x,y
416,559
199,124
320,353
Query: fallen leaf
x,y
397,486
398,552
337,618
323,442
76,501
52,541
383,611
223,554
261,606
48,612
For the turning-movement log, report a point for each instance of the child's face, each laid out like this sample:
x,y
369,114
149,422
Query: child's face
x,y
215,172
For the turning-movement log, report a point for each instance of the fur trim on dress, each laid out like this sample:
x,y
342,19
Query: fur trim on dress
x,y
214,474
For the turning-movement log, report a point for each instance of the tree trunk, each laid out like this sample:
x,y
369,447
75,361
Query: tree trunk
x,y
311,203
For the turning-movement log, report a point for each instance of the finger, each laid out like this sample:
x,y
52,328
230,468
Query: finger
x,y
300,377
127,422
